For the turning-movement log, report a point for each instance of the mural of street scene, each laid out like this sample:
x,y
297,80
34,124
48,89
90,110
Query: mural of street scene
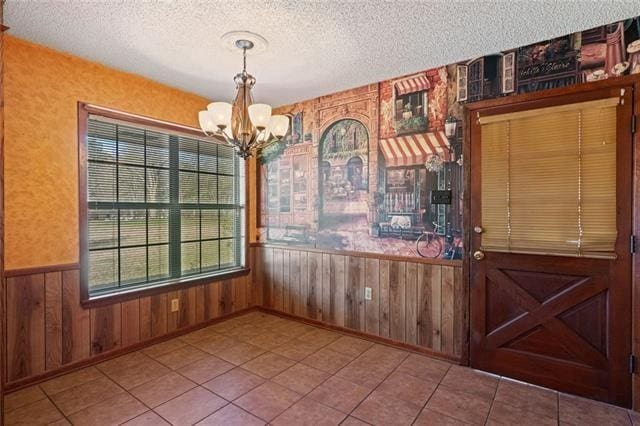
x,y
378,168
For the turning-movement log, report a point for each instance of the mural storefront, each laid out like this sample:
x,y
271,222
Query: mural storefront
x,y
343,184
379,168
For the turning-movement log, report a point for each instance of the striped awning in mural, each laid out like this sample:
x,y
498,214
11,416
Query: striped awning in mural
x,y
412,84
414,149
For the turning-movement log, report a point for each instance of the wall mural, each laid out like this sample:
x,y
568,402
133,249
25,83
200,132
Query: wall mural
x,y
378,168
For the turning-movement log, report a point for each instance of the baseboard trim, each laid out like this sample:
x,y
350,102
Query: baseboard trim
x,y
367,336
69,368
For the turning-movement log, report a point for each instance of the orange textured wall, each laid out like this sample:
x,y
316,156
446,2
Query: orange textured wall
x,y
42,88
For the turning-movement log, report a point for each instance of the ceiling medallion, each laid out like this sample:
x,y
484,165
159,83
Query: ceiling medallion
x,y
243,125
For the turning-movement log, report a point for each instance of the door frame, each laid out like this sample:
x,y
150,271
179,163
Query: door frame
x,y
470,112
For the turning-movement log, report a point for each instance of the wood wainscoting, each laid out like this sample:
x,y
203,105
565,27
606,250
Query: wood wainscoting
x,y
48,330
418,304
422,303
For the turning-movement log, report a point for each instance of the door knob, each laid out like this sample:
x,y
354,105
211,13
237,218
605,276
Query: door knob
x,y
478,255
478,229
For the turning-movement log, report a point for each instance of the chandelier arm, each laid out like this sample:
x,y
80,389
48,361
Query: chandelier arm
x,y
226,138
218,135
210,134
268,143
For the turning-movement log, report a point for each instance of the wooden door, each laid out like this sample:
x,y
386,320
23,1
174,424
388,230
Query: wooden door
x,y
558,321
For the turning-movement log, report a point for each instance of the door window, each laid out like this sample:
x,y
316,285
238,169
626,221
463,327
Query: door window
x,y
548,180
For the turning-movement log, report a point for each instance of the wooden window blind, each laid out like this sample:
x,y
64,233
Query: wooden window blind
x,y
162,206
549,180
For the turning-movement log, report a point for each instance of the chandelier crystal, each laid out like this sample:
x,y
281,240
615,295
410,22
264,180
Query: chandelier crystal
x,y
244,125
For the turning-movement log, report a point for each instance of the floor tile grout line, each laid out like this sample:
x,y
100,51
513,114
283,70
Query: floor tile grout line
x,y
82,384
134,365
133,396
189,390
495,392
48,396
64,416
526,409
314,388
246,411
464,391
5,411
242,394
172,398
432,393
182,366
104,400
376,387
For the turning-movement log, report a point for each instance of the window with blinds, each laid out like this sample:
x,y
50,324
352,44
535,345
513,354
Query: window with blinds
x,y
548,180
161,206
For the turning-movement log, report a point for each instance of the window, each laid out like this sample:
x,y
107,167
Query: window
x,y
272,185
162,206
411,112
508,72
462,82
285,185
475,80
300,175
549,180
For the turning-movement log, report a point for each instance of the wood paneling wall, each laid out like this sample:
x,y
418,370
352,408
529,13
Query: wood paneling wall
x,y
414,303
48,329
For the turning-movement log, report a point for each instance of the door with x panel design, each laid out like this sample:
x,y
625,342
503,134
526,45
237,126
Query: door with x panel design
x,y
551,224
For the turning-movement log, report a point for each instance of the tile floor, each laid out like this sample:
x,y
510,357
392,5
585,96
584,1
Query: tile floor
x,y
257,369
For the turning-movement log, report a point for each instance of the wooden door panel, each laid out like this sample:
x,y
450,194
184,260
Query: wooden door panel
x,y
516,332
550,327
557,321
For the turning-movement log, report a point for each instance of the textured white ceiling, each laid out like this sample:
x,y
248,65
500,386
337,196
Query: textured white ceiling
x,y
315,47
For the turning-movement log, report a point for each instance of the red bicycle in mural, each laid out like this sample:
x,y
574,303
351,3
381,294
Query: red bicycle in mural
x,y
431,244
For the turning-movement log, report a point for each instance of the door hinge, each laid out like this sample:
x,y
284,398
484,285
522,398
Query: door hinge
x,y
634,123
632,364
632,244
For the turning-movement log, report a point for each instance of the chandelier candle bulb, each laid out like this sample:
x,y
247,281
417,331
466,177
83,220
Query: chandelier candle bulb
x,y
207,123
279,124
220,113
260,115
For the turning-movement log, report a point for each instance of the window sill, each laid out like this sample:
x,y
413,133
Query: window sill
x,y
159,288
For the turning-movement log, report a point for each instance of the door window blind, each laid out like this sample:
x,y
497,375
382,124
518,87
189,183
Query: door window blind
x,y
161,206
548,180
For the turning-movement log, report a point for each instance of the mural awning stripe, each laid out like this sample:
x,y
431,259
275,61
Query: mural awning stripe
x,y
406,152
414,149
386,150
412,84
397,153
432,143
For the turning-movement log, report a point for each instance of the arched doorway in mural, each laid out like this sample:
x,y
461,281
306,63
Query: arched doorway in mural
x,y
344,179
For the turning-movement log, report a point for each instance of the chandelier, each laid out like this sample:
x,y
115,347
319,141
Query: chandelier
x,y
244,125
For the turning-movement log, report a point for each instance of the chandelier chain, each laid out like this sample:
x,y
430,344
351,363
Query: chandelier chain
x,y
244,60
